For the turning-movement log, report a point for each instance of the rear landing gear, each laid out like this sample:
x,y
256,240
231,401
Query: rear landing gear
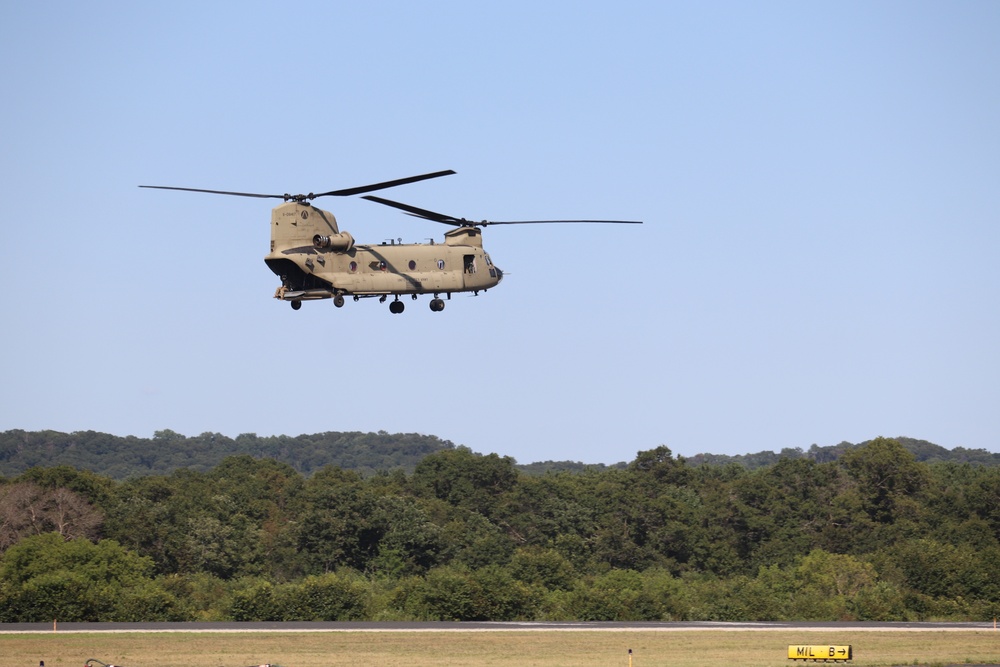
x,y
296,305
338,301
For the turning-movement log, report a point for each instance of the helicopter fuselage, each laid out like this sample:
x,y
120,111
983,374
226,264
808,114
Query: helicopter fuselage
x,y
315,260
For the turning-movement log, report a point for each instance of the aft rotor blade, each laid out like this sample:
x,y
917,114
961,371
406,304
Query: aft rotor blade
x,y
303,198
381,186
216,192
419,212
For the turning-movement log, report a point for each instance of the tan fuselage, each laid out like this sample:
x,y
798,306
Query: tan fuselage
x,y
314,259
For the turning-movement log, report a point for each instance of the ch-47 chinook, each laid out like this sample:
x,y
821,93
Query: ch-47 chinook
x,y
316,260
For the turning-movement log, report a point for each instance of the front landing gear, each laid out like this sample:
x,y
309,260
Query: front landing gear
x,y
437,305
396,307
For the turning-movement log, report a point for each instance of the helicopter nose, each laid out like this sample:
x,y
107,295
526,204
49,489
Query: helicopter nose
x,y
499,273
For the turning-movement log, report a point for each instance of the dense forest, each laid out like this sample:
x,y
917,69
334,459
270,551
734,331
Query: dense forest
x,y
124,457
366,453
873,533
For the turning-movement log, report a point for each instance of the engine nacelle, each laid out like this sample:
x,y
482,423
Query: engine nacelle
x,y
341,242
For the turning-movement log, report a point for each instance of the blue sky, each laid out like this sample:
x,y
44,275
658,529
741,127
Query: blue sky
x,y
818,183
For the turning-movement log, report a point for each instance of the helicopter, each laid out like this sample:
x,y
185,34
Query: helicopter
x,y
315,260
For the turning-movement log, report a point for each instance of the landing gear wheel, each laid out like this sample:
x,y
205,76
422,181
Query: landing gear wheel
x,y
396,307
296,305
437,305
338,301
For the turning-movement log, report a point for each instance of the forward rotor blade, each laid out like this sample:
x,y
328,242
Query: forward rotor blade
x,y
547,222
216,192
381,186
419,212
458,222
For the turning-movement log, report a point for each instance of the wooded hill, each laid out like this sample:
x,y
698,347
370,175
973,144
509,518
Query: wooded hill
x,y
873,535
124,457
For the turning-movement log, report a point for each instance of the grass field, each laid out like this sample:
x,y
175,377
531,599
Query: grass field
x,y
490,649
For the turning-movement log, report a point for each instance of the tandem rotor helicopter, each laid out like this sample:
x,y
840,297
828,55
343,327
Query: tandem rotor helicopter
x,y
316,260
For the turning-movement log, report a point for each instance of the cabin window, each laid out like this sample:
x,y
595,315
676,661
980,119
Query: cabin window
x,y
441,264
412,265
353,266
470,263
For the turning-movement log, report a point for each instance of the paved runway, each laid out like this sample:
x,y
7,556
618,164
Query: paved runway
x,y
562,626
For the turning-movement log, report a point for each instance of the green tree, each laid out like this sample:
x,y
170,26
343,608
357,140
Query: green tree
x,y
617,595
949,572
45,577
338,523
459,594
784,510
325,597
445,594
542,567
151,515
477,542
827,585
411,543
887,476
660,466
540,510
223,548
465,479
254,599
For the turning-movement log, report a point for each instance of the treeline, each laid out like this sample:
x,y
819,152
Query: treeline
x,y
873,535
922,450
125,457
366,453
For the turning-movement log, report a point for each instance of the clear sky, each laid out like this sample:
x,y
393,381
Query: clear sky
x,y
819,182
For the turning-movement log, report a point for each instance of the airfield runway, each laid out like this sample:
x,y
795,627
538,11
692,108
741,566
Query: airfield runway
x,y
541,626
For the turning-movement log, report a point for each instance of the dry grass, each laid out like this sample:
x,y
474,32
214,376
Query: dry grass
x,y
490,649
